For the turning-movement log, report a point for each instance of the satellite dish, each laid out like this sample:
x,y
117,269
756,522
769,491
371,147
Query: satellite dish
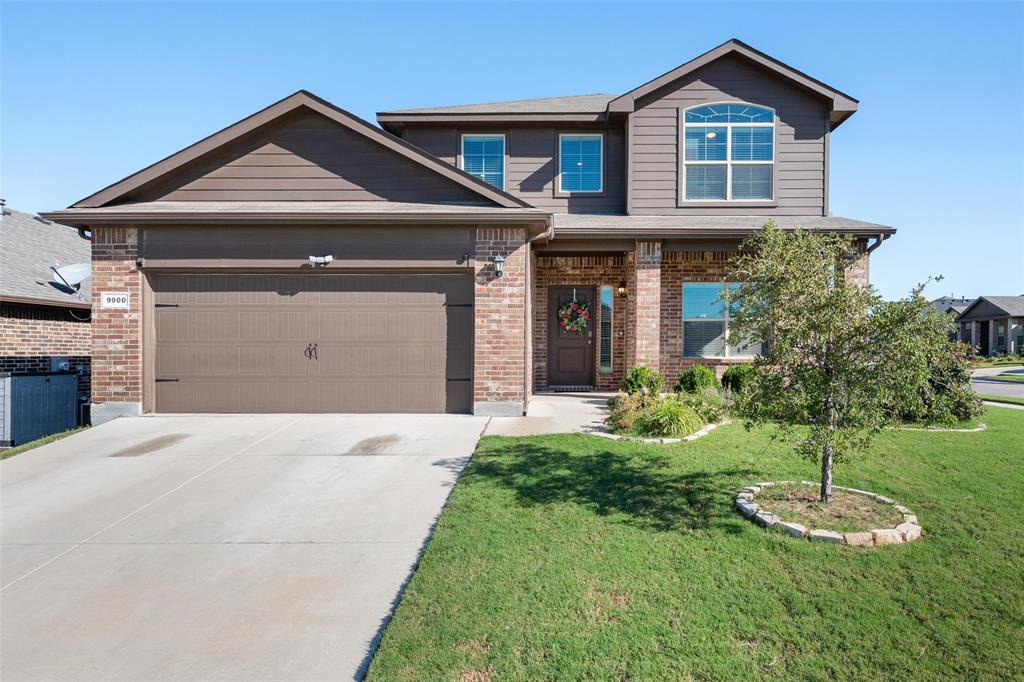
x,y
74,274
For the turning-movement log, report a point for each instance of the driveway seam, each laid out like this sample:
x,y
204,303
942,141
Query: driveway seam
x,y
149,504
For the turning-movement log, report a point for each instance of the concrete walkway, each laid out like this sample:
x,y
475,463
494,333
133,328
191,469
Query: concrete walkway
x,y
217,548
555,413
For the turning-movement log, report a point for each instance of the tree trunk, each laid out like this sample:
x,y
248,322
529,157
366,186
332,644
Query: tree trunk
x,y
826,473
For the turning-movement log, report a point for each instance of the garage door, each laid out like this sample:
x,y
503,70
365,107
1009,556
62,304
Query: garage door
x,y
313,343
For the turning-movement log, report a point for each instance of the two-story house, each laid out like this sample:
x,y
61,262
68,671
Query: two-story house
x,y
304,260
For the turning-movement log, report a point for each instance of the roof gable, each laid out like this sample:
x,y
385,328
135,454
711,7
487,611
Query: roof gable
x,y
841,104
191,172
993,306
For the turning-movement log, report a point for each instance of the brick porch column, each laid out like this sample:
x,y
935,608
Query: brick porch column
x,y
647,318
499,313
116,332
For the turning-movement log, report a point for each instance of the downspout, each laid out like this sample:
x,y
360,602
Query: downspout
x,y
547,235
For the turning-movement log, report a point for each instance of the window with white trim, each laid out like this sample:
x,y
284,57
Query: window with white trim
x,y
604,364
580,165
483,156
706,323
728,152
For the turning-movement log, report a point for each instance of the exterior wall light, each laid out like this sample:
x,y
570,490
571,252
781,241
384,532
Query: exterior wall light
x,y
499,265
622,288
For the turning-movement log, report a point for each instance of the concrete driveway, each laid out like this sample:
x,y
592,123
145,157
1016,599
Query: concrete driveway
x,y
982,381
217,548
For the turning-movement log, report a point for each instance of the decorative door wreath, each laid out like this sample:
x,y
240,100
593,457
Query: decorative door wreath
x,y
574,316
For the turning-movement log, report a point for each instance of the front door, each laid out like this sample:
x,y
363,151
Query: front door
x,y
570,353
983,346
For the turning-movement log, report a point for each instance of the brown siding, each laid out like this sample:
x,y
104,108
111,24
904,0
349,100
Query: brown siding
x,y
799,133
364,247
531,164
305,157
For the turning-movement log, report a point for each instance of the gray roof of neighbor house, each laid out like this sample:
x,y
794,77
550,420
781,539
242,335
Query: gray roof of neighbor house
x,y
28,244
1011,306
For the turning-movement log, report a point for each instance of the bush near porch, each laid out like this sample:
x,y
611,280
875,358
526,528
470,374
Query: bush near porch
x,y
573,557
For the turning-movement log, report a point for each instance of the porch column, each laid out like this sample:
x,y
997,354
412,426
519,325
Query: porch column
x,y
500,309
647,318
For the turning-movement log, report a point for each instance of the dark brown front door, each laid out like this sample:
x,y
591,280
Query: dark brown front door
x,y
313,343
570,354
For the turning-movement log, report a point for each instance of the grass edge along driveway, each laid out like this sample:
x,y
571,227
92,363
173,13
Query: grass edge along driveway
x,y
573,557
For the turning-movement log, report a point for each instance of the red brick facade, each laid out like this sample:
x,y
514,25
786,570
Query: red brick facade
x,y
584,271
500,319
116,334
648,305
23,334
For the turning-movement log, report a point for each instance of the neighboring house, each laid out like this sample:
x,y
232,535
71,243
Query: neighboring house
x,y
993,324
304,260
44,324
950,304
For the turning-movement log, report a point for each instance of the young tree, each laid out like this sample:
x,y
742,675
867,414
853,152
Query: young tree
x,y
837,363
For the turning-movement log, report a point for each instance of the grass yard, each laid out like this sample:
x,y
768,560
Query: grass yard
x,y
33,444
998,361
572,557
1009,377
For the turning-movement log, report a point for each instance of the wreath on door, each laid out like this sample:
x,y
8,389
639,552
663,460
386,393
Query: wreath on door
x,y
574,316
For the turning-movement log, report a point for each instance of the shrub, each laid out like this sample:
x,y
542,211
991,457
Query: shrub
x,y
670,416
638,377
696,379
624,408
947,396
737,377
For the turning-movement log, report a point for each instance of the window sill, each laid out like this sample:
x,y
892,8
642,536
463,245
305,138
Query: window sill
x,y
728,204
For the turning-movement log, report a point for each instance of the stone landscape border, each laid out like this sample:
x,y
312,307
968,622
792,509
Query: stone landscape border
x,y
908,531
708,428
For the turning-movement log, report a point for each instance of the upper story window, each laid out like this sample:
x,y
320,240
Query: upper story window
x,y
580,166
729,152
483,156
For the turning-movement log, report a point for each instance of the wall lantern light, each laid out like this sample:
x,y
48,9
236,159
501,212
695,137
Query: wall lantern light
x,y
321,261
499,265
622,288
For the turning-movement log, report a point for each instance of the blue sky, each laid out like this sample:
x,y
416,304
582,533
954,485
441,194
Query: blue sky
x,y
92,92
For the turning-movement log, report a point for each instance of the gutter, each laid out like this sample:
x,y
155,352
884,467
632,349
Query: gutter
x,y
879,238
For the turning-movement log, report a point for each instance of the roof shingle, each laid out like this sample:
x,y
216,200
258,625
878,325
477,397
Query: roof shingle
x,y
27,245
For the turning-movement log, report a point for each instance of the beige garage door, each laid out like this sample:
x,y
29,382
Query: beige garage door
x,y
313,343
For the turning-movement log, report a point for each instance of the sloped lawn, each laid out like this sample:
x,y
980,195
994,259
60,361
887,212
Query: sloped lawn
x,y
573,557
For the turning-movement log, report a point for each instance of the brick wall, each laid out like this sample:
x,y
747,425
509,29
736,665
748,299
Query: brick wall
x,y
648,304
26,337
678,267
116,334
591,271
500,374
859,272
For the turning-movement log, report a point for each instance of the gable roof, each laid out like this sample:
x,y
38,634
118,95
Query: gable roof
x,y
27,246
1011,306
275,111
842,104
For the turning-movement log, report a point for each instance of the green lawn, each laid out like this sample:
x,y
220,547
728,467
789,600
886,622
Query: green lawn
x,y
573,557
33,444
1009,377
1000,361
1002,399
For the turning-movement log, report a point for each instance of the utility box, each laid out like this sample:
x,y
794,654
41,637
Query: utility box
x,y
36,405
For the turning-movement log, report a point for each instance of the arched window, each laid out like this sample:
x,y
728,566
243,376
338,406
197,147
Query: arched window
x,y
729,152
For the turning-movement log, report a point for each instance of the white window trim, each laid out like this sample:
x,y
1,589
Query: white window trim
x,y
726,354
728,162
504,154
600,189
